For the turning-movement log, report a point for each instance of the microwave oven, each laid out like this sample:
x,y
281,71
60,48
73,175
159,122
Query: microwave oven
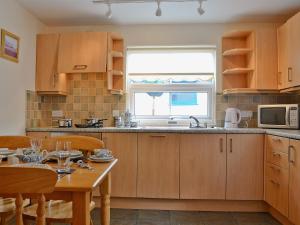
x,y
285,116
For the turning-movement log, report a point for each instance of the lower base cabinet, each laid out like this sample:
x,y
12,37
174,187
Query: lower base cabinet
x,y
245,167
123,176
158,165
202,166
294,185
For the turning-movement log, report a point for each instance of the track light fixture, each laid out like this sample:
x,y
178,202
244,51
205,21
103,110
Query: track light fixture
x,y
108,14
200,9
158,12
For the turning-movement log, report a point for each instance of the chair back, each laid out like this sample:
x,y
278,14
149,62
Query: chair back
x,y
84,143
34,182
14,142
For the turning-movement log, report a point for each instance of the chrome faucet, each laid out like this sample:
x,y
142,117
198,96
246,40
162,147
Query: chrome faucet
x,y
196,120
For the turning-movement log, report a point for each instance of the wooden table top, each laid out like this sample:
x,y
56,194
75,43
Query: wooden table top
x,y
84,180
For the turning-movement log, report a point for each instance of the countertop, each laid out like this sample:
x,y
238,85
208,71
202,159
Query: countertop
x,y
294,134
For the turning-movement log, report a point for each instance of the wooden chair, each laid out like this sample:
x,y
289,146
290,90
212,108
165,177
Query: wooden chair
x,y
14,142
61,211
34,182
7,205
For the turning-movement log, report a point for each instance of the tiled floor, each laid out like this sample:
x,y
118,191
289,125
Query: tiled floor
x,y
156,217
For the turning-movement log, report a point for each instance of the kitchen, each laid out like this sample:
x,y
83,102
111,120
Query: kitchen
x,y
115,77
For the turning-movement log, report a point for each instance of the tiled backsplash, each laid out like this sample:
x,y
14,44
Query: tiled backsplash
x,y
88,94
249,103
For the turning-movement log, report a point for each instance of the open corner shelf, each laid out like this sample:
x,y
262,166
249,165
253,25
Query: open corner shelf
x,y
238,61
237,51
115,69
237,71
237,34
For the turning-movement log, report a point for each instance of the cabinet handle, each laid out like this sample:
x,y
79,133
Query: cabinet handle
x,y
54,80
221,144
276,154
291,147
274,182
230,143
80,67
158,136
290,74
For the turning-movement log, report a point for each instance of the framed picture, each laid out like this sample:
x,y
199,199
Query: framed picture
x,y
9,46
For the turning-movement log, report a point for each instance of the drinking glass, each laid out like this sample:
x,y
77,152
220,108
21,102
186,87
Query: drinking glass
x,y
36,144
63,155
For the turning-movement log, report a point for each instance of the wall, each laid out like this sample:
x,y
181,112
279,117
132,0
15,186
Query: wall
x,y
16,78
87,93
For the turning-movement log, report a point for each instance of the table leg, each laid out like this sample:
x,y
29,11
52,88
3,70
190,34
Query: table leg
x,y
105,188
81,208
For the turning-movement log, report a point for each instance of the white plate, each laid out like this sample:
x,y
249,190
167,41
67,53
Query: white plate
x,y
104,158
74,153
6,151
95,159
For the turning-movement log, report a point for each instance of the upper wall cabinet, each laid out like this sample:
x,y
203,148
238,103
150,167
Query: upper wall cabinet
x,y
289,53
83,52
48,80
249,60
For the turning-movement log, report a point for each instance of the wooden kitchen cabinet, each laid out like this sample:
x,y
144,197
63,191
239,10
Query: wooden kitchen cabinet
x,y
245,166
82,52
202,166
294,185
124,174
48,80
289,53
158,165
283,56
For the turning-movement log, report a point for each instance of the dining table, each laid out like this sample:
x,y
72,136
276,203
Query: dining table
x,y
78,187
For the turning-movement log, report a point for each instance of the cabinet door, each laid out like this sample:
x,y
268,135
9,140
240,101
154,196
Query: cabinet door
x,y
294,187
124,174
202,166
282,39
294,49
158,165
83,52
245,166
47,78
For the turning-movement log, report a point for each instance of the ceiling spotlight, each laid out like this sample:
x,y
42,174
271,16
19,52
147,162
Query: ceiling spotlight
x,y
108,14
158,11
200,9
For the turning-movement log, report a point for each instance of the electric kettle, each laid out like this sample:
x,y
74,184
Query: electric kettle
x,y
232,118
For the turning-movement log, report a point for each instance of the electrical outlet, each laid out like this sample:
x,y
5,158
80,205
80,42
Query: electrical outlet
x,y
57,113
116,113
246,114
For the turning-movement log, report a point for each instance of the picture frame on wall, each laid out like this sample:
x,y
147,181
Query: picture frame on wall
x,y
10,44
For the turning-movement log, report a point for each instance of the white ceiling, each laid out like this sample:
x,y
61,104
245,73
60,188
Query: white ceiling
x,y
84,12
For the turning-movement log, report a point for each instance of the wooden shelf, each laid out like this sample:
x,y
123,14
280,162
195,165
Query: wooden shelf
x,y
117,73
249,91
116,92
237,34
116,54
237,51
237,71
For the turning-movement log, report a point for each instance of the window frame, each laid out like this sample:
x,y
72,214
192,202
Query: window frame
x,y
210,89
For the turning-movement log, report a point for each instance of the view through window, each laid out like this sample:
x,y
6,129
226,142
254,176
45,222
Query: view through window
x,y
167,82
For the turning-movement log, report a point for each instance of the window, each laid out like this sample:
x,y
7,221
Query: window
x,y
171,82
